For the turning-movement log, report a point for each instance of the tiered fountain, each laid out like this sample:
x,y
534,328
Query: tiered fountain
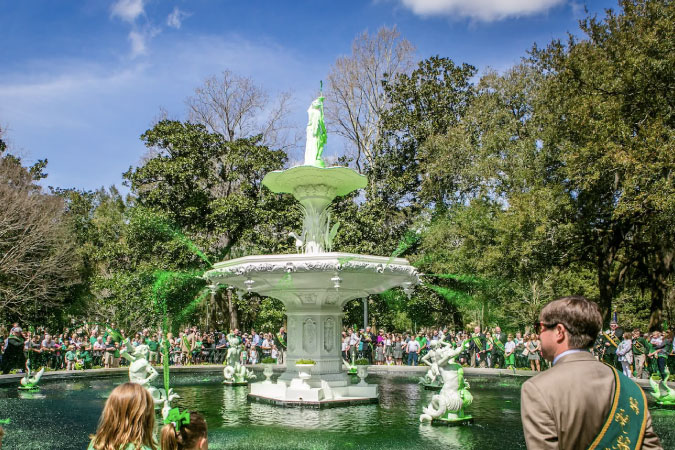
x,y
315,284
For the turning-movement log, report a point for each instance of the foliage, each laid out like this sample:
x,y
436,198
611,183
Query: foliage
x,y
305,361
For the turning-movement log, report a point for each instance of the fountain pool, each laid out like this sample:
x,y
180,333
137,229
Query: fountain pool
x,y
64,413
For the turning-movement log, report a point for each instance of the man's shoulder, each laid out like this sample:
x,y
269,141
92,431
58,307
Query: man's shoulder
x,y
570,369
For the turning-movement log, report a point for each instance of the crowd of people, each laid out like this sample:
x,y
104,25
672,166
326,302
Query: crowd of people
x,y
636,353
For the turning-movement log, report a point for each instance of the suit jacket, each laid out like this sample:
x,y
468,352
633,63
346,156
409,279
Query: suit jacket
x,y
566,406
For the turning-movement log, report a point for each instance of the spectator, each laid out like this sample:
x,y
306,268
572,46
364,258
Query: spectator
x,y
128,417
413,350
533,349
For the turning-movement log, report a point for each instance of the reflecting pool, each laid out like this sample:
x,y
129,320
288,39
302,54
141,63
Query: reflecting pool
x,y
63,414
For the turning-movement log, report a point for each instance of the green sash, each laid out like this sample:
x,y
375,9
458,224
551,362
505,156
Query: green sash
x,y
500,345
639,347
477,340
281,340
625,425
609,338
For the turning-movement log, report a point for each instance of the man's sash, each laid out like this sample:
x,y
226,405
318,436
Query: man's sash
x,y
638,346
479,343
609,338
627,419
499,344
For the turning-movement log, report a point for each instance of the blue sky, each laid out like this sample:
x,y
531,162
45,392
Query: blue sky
x,y
80,81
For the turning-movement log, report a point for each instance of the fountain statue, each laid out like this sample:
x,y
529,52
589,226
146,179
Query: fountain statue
x,y
665,398
315,283
447,407
141,372
234,372
30,380
432,380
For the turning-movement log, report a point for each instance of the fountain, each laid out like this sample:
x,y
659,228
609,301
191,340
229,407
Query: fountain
x,y
315,284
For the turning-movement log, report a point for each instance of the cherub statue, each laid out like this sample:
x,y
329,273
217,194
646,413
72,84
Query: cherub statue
x,y
141,372
448,405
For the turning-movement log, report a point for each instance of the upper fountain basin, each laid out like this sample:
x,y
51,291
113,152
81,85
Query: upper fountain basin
x,y
309,281
339,180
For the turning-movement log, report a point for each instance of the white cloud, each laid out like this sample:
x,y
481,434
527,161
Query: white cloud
x,y
175,19
481,10
138,46
127,10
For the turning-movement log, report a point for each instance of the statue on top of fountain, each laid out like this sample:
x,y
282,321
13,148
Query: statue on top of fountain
x,y
316,134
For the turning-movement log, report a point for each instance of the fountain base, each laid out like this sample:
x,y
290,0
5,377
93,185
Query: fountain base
x,y
313,393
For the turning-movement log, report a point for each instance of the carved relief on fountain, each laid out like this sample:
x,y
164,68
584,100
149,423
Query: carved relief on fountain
x,y
328,334
309,335
292,332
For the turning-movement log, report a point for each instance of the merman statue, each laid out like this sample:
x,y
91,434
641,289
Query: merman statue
x,y
235,373
432,379
665,398
30,380
316,134
448,405
141,372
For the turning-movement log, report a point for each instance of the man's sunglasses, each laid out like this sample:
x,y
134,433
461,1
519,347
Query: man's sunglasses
x,y
539,326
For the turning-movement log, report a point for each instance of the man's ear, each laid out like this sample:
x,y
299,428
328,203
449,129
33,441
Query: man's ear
x,y
203,444
560,332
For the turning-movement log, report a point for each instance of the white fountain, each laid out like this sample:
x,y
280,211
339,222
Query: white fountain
x,y
315,284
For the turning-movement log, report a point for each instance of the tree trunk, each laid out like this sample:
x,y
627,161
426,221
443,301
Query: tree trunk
x,y
232,309
605,288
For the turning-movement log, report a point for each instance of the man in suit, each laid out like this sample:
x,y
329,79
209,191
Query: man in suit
x,y
573,405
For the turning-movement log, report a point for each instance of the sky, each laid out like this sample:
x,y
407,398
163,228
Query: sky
x,y
80,81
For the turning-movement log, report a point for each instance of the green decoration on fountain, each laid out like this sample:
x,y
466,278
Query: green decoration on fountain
x,y
447,407
5,421
665,398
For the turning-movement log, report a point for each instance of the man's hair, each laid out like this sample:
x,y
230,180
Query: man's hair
x,y
580,317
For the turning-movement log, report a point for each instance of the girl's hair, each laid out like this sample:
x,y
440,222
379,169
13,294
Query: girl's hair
x,y
627,335
187,436
128,417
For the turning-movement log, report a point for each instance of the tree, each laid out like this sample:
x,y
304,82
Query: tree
x,y
235,107
426,103
37,257
608,106
355,98
211,190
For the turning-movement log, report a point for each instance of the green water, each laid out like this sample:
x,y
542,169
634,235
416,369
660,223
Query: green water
x,y
63,414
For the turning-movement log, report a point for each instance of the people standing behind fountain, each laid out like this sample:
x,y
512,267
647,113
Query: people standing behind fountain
x,y
190,436
127,420
413,349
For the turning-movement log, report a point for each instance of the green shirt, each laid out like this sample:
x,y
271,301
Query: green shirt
x,y
152,345
639,346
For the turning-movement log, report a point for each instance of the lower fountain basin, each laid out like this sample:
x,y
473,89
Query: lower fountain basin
x,y
305,280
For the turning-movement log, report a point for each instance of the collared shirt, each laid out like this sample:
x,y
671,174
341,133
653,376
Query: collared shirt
x,y
567,352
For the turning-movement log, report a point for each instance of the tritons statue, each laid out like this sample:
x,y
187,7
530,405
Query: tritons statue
x,y
432,379
30,381
141,372
447,407
235,373
665,397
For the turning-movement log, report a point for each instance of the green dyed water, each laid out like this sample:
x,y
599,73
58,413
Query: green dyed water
x,y
62,415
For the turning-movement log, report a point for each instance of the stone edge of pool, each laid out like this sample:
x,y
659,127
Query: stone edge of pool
x,y
13,379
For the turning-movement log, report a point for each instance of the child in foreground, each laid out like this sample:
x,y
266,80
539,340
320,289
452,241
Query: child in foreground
x,y
192,436
127,421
